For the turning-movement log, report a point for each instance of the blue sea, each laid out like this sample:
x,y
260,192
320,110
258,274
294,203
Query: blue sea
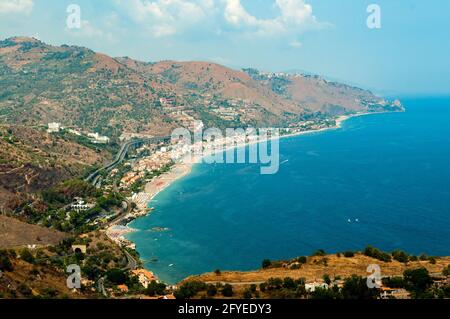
x,y
381,180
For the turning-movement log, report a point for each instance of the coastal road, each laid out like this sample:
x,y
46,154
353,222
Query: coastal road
x,y
120,156
132,263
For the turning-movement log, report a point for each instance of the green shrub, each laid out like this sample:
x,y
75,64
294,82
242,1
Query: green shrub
x,y
319,252
5,262
116,276
227,290
400,256
349,254
211,291
417,280
155,289
446,271
190,289
27,256
377,254
266,263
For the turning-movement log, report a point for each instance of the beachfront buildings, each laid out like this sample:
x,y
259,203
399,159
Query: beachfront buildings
x,y
145,277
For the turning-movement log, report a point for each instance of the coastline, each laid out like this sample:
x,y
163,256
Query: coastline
x,y
179,170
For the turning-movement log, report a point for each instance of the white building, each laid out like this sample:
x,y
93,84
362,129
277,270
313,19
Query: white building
x,y
80,206
54,127
311,287
98,139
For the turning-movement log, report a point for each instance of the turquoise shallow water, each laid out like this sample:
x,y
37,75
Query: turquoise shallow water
x,y
389,171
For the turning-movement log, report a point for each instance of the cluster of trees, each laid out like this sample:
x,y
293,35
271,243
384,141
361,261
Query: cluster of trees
x,y
355,287
419,283
397,255
370,251
191,289
65,192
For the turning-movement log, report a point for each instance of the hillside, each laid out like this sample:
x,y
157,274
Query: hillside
x,y
91,91
32,160
14,233
317,266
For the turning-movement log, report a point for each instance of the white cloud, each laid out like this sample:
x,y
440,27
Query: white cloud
x,y
168,17
162,18
296,17
16,6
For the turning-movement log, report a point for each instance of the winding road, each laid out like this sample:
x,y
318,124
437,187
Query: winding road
x,y
120,156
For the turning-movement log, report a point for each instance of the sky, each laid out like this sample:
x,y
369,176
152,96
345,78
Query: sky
x,y
409,54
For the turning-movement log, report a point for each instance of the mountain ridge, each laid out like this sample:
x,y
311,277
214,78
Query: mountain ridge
x,y
78,87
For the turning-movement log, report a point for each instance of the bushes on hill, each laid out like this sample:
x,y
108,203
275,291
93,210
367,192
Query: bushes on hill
x,y
155,289
349,254
227,290
355,287
393,282
446,271
65,192
266,263
116,276
400,256
319,252
417,280
190,289
377,254
27,256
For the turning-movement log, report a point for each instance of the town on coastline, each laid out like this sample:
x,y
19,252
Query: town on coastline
x,y
98,209
120,192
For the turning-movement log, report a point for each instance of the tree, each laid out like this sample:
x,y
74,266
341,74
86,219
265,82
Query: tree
x,y
319,252
27,256
417,280
355,287
322,293
190,289
326,278
227,290
400,256
217,272
377,254
247,294
393,282
5,262
116,276
446,271
274,283
289,283
266,263
211,291
349,254
155,289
